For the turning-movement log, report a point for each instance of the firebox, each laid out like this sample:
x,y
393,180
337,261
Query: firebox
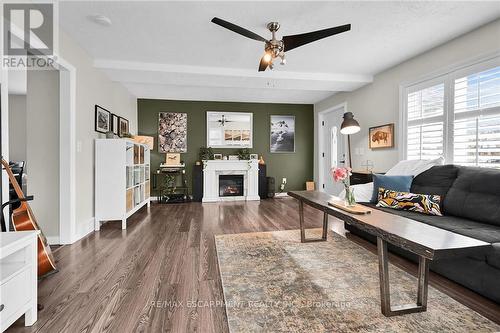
x,y
231,186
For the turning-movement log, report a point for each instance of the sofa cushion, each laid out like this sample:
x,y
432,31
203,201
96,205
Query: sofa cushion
x,y
395,183
482,231
475,195
436,180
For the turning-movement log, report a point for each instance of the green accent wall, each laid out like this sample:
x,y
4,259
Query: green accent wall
x,y
296,167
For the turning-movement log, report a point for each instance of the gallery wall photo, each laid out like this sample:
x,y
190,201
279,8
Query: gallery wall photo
x,y
282,138
172,132
102,121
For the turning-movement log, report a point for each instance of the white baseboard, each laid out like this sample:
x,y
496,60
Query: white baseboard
x,y
53,240
83,230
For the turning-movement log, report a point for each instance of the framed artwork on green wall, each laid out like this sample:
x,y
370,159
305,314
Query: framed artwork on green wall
x,y
172,132
229,129
282,134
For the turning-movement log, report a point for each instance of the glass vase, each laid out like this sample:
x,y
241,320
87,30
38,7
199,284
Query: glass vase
x,y
349,196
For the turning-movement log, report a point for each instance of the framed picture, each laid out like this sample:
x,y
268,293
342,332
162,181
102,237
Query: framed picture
x,y
172,132
282,138
114,123
217,156
122,126
173,159
229,129
102,120
381,136
254,156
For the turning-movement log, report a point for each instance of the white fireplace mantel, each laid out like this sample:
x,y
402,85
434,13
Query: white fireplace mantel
x,y
212,169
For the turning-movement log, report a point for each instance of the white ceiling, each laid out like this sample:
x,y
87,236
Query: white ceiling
x,y
171,49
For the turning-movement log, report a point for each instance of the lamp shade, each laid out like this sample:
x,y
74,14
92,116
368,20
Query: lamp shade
x,y
349,125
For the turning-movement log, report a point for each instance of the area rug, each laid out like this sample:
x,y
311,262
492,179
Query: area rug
x,y
274,283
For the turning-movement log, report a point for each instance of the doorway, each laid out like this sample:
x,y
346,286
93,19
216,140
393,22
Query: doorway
x,y
332,148
64,230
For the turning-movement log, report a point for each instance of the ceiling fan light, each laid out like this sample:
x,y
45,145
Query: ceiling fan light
x,y
267,57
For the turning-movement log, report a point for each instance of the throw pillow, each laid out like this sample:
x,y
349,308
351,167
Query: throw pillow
x,y
422,203
395,183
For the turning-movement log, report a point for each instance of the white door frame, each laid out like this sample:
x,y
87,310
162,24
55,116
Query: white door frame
x,y
4,131
67,154
67,144
321,118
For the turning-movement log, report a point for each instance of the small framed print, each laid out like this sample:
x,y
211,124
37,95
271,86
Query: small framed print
x,y
254,156
381,136
122,127
114,123
217,156
102,120
173,159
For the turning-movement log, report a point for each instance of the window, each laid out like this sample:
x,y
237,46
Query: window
x,y
465,130
425,123
476,134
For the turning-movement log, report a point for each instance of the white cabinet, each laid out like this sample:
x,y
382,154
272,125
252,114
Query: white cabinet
x,y
122,184
18,277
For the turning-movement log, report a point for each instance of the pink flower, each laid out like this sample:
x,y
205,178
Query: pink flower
x,y
340,174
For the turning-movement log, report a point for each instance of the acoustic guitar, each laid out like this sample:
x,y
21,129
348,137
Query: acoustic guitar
x,y
23,219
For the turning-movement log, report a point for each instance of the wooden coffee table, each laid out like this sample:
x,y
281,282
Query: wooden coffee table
x,y
426,241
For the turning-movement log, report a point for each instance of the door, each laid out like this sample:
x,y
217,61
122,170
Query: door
x,y
333,146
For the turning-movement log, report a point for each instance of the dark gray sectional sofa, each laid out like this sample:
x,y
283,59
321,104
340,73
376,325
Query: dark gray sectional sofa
x,y
471,207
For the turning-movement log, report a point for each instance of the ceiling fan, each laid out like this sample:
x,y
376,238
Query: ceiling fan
x,y
275,48
223,120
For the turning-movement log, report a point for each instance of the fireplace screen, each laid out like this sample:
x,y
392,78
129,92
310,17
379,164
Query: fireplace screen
x,y
230,185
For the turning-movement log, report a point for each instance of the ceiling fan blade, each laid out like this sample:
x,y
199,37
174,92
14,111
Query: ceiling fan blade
x,y
238,29
294,41
263,65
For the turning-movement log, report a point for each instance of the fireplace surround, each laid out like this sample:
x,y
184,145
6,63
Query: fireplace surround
x,y
244,181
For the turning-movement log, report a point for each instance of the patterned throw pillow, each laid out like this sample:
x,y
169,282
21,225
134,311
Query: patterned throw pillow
x,y
422,203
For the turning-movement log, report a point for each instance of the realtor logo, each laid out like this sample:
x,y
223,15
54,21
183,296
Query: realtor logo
x,y
28,35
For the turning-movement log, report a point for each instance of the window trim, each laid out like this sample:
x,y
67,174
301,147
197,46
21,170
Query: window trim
x,y
446,76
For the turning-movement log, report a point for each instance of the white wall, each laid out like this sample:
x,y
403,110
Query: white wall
x,y
17,127
378,103
42,149
92,87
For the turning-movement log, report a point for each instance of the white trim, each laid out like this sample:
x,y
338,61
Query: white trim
x,y
4,131
319,158
445,75
67,154
67,84
53,240
84,230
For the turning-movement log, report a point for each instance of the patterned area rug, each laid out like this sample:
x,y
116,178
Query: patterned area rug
x,y
274,283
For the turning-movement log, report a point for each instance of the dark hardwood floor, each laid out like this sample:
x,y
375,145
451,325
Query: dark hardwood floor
x,y
161,274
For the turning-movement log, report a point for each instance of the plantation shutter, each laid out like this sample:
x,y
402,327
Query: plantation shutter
x,y
425,122
476,133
